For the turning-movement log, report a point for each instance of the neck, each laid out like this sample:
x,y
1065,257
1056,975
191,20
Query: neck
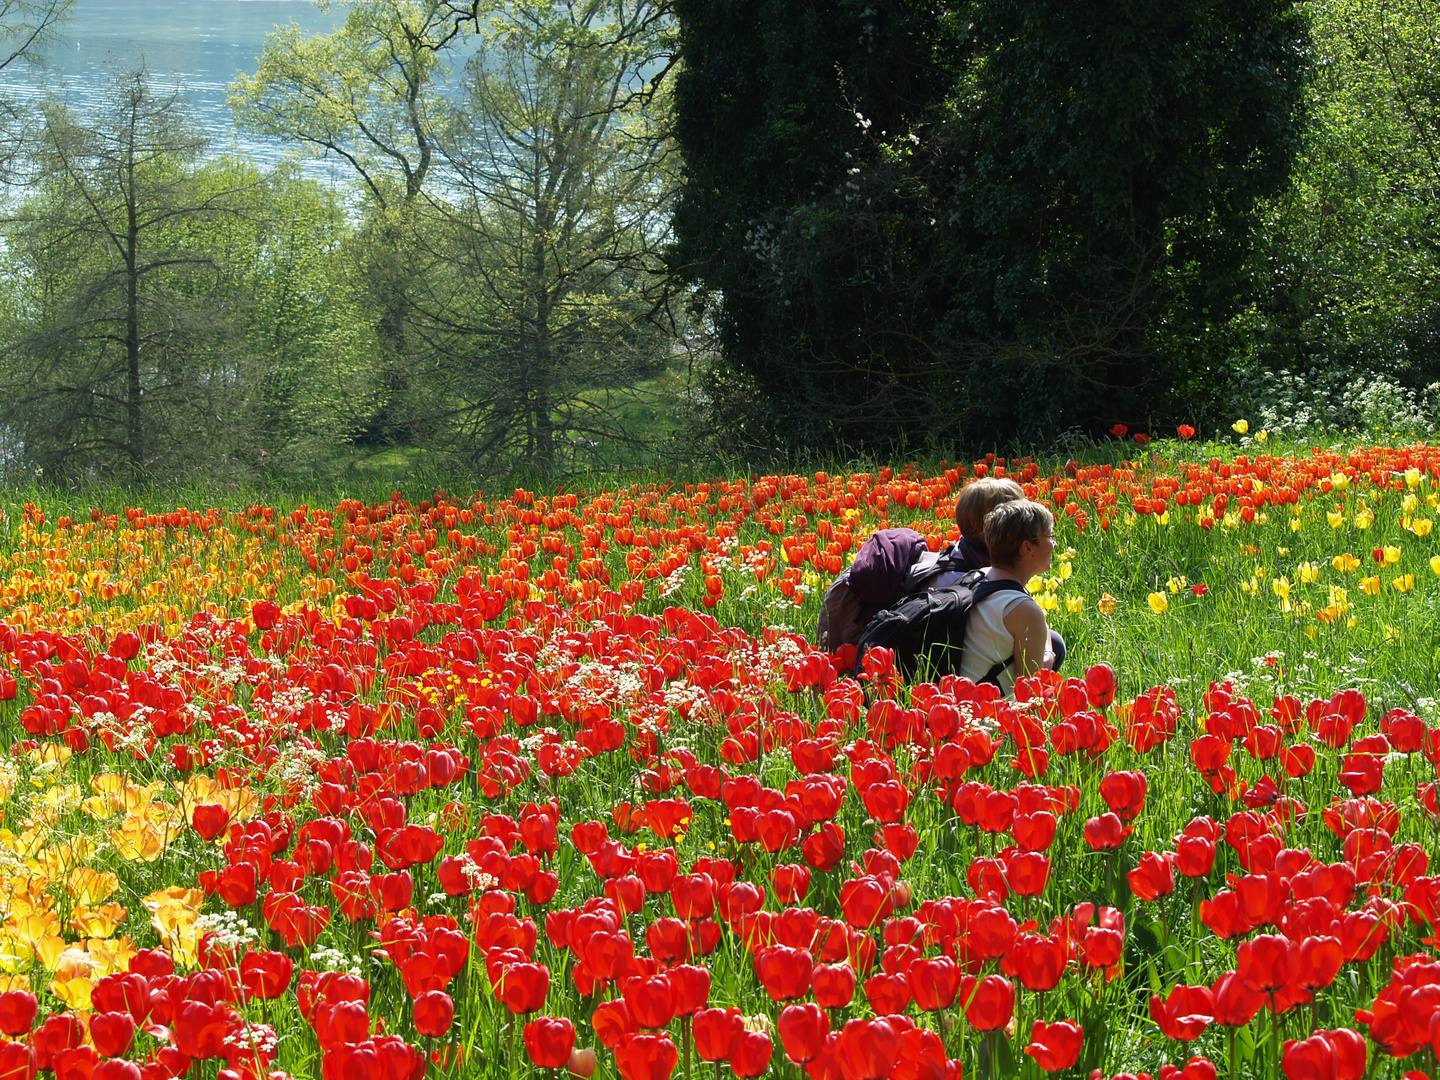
x,y
1010,573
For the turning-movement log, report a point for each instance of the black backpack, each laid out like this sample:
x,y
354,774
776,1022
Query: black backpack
x,y
848,609
927,630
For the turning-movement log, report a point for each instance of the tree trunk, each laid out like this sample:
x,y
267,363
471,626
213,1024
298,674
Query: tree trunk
x,y
135,429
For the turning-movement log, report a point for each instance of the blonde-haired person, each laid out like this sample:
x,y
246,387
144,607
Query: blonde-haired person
x,y
1006,635
976,501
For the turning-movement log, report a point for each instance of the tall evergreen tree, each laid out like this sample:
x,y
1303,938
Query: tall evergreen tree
x,y
929,223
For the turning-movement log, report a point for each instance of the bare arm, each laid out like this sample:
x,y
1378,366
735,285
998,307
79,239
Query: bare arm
x,y
1026,623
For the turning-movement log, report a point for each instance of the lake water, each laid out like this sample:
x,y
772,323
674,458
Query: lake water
x,y
196,46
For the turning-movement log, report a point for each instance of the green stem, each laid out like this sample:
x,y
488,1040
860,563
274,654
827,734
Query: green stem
x,y
1274,1038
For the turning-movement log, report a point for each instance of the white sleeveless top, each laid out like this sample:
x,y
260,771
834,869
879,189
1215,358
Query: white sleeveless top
x,y
987,642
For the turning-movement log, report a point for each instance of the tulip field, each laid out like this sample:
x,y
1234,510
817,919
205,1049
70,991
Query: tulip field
x,y
510,784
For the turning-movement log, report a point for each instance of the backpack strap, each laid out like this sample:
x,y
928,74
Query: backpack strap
x,y
988,588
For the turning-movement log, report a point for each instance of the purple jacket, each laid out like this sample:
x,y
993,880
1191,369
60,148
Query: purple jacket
x,y
972,556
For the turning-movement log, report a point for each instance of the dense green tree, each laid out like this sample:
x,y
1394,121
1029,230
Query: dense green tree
x,y
547,263
167,312
367,95
972,223
1343,319
120,356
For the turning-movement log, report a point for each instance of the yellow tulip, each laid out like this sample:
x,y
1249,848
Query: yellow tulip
x,y
1404,583
1309,573
1159,603
1370,586
1365,518
1412,478
110,955
1336,519
1280,586
74,979
98,922
1392,554
89,887
1107,602
1435,564
1422,526
1345,563
1074,604
1240,427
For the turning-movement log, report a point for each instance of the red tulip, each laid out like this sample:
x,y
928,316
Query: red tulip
x,y
18,1009
1320,961
112,1033
1101,946
549,1041
612,1023
77,1063
887,994
752,1053
1264,962
691,985
1184,1013
868,1049
1100,685
834,985
1153,878
651,1001
1038,962
803,1030
1106,832
1055,1046
17,1061
824,848
435,1012
524,987
934,983
989,1003
1235,1003
992,932
693,896
60,1031
646,1057
199,1029
1194,855
784,972
791,882
866,901
1034,832
266,975
1124,793
1326,1055
716,1033
210,820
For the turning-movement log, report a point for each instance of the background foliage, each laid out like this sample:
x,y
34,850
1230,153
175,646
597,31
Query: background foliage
x,y
625,233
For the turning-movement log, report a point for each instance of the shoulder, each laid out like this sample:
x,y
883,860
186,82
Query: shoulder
x,y
1022,612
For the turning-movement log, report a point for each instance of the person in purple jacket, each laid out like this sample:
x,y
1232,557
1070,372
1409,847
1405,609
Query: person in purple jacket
x,y
976,500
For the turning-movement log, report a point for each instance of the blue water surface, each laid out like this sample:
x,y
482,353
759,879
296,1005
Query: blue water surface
x,y
194,46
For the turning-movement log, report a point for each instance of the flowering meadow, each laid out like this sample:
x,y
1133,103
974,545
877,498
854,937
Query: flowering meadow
x,y
496,785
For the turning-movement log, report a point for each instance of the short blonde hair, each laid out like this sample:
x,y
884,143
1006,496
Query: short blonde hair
x,y
977,499
1010,524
